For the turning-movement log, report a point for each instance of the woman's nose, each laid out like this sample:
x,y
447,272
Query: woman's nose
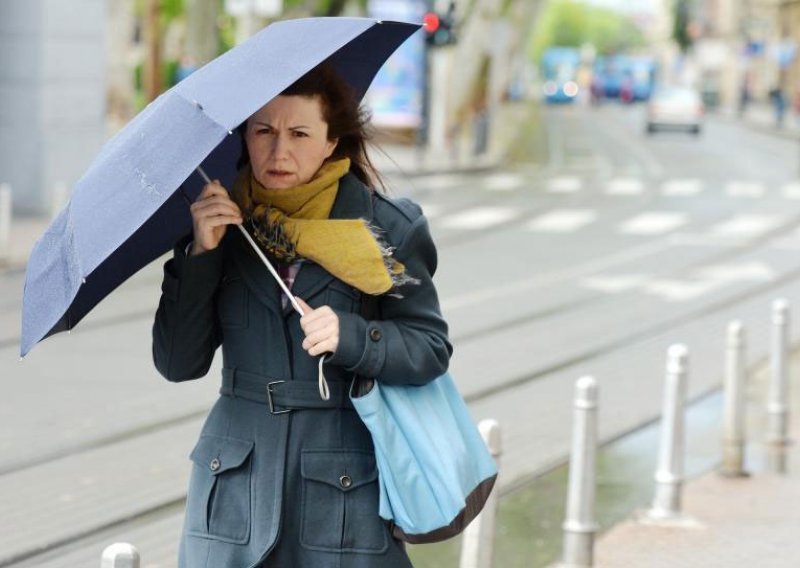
x,y
279,146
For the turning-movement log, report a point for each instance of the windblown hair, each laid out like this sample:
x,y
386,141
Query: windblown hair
x,y
347,120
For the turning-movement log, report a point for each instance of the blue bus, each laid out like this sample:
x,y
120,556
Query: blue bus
x,y
559,67
628,78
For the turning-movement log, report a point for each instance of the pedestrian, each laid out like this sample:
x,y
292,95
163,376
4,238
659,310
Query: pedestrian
x,y
282,477
779,104
745,95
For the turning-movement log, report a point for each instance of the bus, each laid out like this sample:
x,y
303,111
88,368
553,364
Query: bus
x,y
559,66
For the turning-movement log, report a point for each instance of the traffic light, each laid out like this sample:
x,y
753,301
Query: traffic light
x,y
439,28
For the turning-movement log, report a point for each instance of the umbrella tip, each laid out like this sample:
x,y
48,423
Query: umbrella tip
x,y
198,105
83,280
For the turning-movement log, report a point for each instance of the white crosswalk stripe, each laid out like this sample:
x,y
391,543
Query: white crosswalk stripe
x,y
744,189
440,181
745,225
682,187
625,186
615,284
479,218
653,223
791,191
430,210
562,221
503,182
564,184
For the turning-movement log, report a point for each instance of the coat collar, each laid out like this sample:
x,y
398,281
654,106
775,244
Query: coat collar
x,y
353,201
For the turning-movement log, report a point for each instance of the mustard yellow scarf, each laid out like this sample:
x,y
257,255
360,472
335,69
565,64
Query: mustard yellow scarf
x,y
295,222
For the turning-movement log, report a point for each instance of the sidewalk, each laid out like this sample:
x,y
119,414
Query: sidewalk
x,y
746,522
761,116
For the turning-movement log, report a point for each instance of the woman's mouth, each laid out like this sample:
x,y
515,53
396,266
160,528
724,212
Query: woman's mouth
x,y
278,173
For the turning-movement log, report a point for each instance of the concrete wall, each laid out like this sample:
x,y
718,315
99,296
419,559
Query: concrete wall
x,y
52,95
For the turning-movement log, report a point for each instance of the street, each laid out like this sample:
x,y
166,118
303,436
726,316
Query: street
x,y
591,260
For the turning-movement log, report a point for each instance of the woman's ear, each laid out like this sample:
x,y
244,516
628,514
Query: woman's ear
x,y
331,146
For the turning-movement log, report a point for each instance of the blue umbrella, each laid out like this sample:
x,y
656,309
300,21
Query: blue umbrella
x,y
126,210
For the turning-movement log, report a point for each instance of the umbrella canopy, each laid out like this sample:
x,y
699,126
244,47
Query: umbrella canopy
x,y
125,211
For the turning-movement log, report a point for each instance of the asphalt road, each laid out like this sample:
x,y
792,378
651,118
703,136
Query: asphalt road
x,y
592,262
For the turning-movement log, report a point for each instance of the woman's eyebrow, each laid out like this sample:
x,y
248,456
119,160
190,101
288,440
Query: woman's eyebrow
x,y
262,123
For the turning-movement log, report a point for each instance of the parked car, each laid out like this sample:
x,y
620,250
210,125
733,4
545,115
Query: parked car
x,y
675,108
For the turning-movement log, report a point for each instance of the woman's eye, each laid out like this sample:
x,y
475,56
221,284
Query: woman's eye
x,y
300,134
262,131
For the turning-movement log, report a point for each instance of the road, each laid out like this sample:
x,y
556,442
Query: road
x,y
591,262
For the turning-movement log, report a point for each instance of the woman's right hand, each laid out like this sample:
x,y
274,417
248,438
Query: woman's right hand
x,y
213,211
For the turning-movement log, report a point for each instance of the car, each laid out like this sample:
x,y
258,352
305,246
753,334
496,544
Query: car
x,y
675,108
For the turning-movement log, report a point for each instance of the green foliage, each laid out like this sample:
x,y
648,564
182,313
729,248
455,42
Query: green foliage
x,y
680,24
171,9
572,23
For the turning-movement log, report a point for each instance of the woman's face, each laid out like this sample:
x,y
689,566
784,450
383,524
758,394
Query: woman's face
x,y
288,141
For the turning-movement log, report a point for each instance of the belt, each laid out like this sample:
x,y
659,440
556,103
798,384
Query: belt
x,y
282,396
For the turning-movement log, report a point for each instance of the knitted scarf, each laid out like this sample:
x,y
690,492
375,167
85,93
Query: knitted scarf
x,y
294,222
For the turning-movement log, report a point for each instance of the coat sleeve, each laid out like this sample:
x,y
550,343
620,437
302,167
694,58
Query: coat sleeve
x,y
186,332
408,344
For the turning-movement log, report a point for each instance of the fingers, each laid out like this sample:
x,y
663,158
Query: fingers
x,y
321,327
306,308
213,207
213,188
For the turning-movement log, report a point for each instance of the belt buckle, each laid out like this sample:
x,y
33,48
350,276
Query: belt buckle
x,y
269,399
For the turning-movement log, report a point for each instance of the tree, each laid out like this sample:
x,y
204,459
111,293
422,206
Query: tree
x,y
571,23
680,26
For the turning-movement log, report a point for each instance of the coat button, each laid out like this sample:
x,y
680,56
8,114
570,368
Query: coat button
x,y
345,481
215,464
375,334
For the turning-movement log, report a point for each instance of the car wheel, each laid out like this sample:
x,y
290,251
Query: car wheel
x,y
696,130
651,128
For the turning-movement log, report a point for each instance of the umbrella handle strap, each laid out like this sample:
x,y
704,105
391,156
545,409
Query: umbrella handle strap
x,y
324,391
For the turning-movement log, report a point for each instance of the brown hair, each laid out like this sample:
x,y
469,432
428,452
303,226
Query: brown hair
x,y
347,120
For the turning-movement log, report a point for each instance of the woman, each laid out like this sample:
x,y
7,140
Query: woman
x,y
282,477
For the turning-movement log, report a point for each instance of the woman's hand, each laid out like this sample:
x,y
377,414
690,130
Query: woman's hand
x,y
321,327
213,211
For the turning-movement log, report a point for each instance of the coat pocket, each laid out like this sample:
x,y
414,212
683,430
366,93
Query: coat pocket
x,y
340,502
218,504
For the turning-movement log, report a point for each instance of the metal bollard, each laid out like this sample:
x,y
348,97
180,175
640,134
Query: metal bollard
x,y
5,223
669,474
477,545
733,430
120,555
778,397
580,526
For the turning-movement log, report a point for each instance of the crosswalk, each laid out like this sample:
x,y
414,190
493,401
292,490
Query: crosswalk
x,y
619,186
669,218
699,283
567,221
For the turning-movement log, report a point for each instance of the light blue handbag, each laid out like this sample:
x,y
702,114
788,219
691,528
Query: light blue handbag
x,y
434,469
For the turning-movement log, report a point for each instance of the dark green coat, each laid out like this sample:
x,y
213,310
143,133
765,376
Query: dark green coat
x,y
266,488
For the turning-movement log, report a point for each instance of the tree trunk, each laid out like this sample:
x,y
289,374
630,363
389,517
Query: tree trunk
x,y
202,36
152,61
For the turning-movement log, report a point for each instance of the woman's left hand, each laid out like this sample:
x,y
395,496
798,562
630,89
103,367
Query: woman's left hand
x,y
321,327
